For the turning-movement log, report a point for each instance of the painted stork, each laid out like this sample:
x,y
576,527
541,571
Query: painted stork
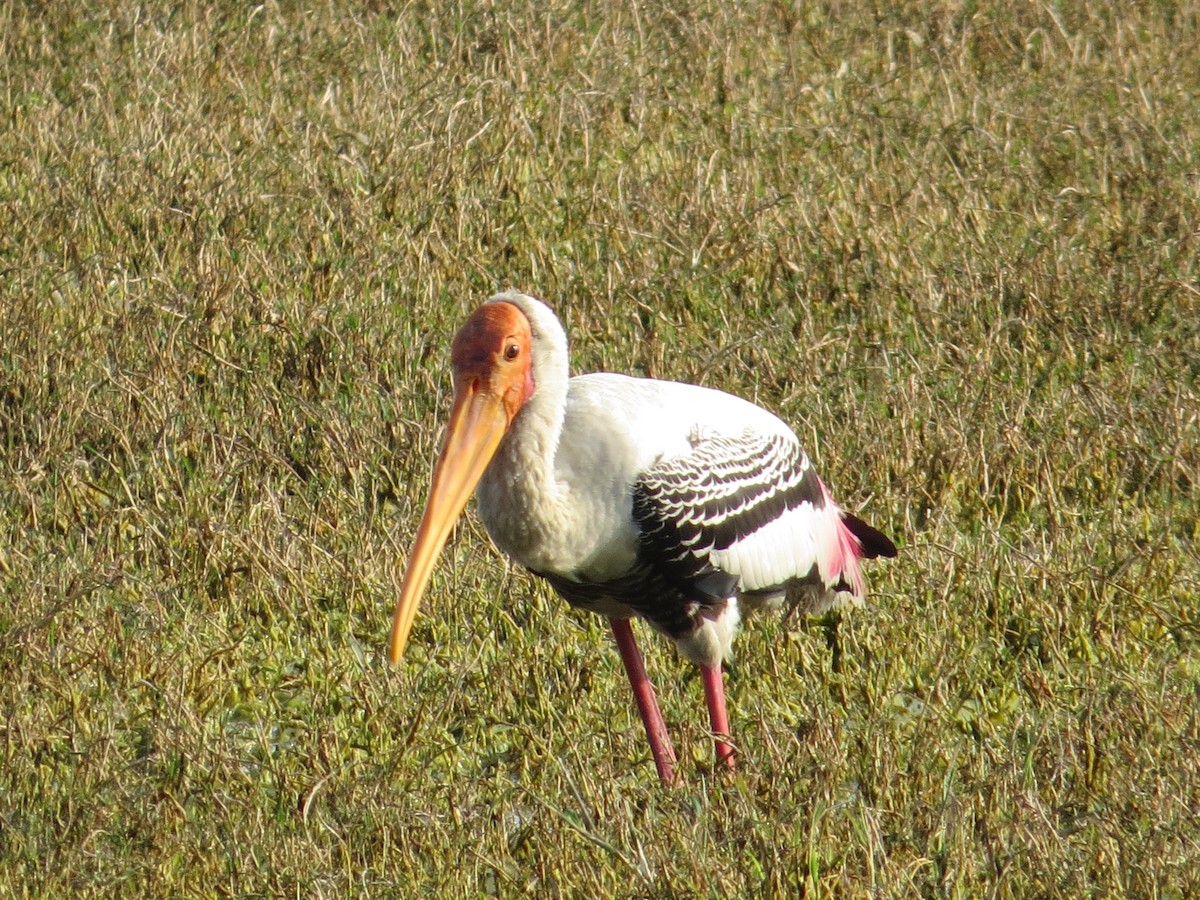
x,y
670,502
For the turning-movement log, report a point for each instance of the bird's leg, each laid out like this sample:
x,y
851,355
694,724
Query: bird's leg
x,y
714,696
643,692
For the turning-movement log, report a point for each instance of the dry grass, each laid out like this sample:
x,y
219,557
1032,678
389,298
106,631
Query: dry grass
x,y
955,244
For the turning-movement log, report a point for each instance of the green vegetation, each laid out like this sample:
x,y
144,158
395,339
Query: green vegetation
x,y
955,244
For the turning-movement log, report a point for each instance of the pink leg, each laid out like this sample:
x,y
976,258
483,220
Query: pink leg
x,y
643,692
714,696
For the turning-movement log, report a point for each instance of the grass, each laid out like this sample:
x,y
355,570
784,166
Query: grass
x,y
954,244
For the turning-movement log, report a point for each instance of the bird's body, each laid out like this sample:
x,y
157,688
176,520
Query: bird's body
x,y
643,498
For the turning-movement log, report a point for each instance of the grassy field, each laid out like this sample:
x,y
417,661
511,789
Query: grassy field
x,y
955,244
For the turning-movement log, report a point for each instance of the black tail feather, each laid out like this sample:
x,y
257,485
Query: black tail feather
x,y
874,542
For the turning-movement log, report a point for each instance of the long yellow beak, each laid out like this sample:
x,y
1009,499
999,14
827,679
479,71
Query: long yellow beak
x,y
477,423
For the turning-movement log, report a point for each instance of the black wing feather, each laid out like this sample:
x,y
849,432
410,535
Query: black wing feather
x,y
874,542
726,489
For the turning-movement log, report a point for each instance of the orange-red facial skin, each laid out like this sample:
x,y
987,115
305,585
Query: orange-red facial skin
x,y
494,348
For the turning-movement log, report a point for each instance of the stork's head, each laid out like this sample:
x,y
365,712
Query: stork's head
x,y
492,359
492,355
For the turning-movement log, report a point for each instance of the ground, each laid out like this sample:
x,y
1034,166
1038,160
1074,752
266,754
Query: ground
x,y
953,244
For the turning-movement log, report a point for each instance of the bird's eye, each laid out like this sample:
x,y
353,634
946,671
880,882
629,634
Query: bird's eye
x,y
512,351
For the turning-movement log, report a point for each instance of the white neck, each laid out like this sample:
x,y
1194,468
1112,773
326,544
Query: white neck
x,y
520,499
